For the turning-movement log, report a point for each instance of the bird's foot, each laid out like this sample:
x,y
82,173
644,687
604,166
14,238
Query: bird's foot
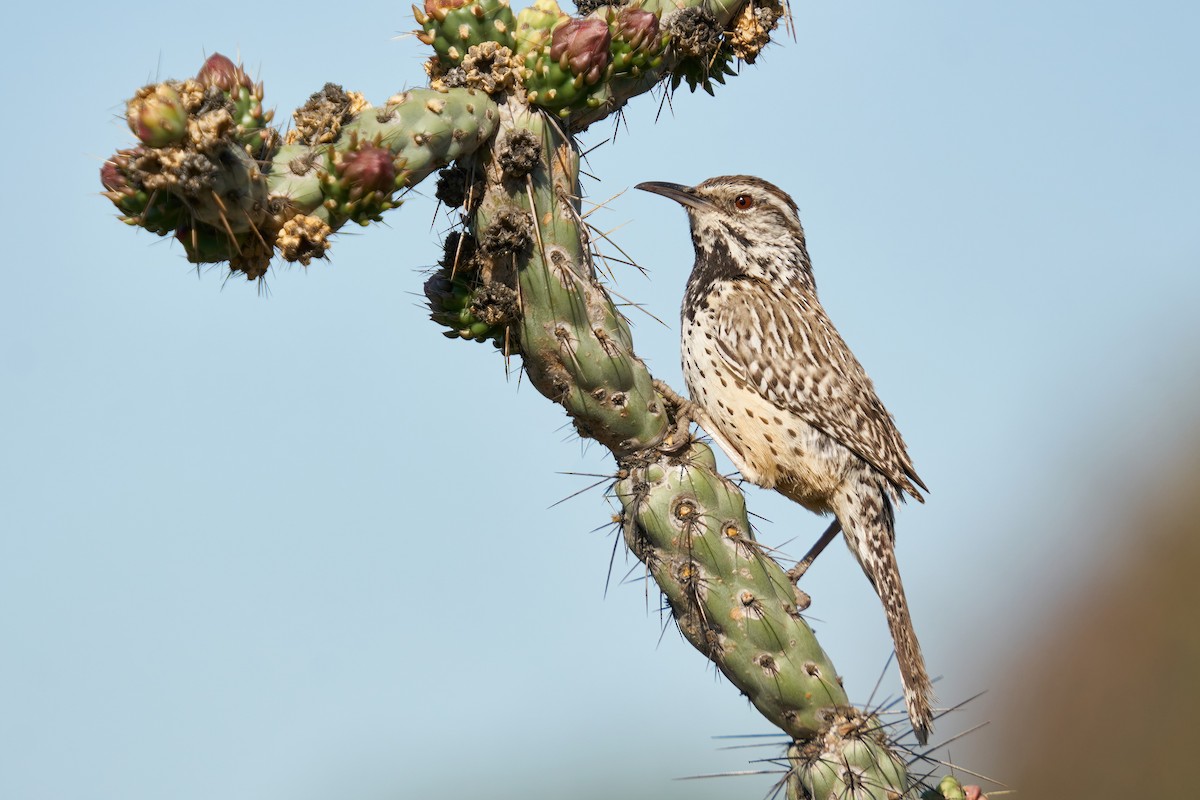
x,y
797,572
683,411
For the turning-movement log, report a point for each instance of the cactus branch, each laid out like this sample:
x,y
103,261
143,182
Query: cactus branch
x,y
507,94
680,517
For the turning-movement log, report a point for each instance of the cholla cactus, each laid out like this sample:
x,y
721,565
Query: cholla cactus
x,y
506,95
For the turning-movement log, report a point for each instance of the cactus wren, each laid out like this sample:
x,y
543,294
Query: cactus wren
x,y
774,384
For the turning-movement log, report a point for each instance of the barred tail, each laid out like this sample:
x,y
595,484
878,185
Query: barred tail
x,y
866,518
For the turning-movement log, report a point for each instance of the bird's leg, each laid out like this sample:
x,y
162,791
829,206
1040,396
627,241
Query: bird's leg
x,y
795,573
684,411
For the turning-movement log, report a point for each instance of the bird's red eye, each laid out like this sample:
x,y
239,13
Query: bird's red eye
x,y
743,202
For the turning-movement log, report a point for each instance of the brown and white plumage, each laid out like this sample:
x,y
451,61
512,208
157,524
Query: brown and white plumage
x,y
777,388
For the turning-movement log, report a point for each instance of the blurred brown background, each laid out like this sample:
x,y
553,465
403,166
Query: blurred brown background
x,y
1105,701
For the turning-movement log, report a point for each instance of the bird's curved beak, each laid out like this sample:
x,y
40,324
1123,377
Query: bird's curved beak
x,y
684,195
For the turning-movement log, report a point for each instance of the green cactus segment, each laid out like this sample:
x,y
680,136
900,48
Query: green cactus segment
x,y
295,176
731,601
576,346
535,24
429,129
198,171
451,27
410,136
849,759
422,129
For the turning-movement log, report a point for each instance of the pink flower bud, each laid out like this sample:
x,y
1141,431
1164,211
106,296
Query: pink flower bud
x,y
582,46
219,71
369,169
637,27
111,177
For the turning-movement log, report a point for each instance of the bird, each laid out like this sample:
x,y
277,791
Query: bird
x,y
776,387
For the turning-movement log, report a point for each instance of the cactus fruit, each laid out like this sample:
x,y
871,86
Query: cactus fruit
x,y
637,43
451,27
366,170
562,73
221,72
359,181
581,47
157,115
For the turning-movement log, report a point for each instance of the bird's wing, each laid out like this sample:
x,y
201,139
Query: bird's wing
x,y
798,361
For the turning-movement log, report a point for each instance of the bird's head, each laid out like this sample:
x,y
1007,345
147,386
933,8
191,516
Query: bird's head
x,y
742,225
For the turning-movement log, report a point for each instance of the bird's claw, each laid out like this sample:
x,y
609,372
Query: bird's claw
x,y
682,411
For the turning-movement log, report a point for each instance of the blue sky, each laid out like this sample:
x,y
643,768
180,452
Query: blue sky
x,y
301,546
